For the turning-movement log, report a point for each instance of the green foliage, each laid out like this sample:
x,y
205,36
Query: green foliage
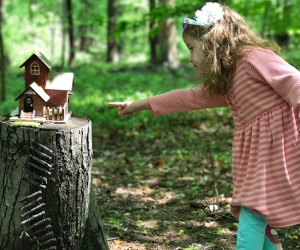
x,y
97,85
41,24
292,56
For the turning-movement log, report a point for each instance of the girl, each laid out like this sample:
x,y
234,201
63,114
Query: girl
x,y
262,91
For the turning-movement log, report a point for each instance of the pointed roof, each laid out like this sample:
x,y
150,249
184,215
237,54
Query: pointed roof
x,y
38,90
40,56
62,81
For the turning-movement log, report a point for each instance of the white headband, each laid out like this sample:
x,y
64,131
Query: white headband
x,y
207,16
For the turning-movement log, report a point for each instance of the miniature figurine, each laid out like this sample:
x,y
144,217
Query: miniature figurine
x,y
46,95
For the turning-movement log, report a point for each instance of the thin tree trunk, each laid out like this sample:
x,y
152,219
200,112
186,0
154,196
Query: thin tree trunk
x,y
167,39
173,61
113,48
282,36
2,57
85,28
53,35
45,181
84,42
63,33
70,28
265,19
153,39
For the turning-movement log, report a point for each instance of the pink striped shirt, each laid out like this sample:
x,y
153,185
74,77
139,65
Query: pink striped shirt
x,y
264,100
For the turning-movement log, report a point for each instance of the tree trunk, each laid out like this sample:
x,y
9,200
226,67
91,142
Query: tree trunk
x,y
63,33
86,28
281,35
265,19
45,180
53,30
113,48
167,39
85,41
153,38
2,58
70,28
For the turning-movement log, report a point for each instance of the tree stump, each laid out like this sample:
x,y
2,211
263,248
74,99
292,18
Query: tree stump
x,y
45,187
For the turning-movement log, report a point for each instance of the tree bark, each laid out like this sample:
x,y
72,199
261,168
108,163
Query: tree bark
x,y
86,28
265,19
167,39
63,33
281,35
153,38
113,48
45,181
85,41
70,28
2,57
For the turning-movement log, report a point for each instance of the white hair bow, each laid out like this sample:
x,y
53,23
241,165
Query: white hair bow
x,y
207,16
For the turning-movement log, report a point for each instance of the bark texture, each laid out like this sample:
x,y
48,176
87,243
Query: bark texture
x,y
167,38
113,46
45,178
2,57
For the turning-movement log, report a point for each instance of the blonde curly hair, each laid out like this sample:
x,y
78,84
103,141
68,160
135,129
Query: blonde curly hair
x,y
223,43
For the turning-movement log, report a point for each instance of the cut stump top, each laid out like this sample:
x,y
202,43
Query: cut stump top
x,y
73,123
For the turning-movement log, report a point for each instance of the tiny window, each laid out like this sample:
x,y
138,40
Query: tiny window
x,y
35,69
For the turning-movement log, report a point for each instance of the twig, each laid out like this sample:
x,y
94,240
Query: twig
x,y
212,165
113,238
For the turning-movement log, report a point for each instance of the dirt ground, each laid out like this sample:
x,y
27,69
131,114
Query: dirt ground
x,y
145,218
151,198
155,199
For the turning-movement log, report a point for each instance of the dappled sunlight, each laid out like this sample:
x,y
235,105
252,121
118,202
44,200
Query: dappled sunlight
x,y
137,192
211,224
164,197
147,224
97,182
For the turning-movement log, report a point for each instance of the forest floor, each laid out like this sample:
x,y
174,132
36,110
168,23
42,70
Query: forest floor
x,y
168,187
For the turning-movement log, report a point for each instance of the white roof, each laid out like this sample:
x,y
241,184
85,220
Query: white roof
x,y
63,81
39,90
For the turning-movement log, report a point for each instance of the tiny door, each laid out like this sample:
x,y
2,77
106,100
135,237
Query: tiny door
x,y
28,104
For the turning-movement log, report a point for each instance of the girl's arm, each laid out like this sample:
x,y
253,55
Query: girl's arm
x,y
184,100
180,100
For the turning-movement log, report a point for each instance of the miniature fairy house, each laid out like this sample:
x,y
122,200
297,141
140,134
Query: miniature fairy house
x,y
46,95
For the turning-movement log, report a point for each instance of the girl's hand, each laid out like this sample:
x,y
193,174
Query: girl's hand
x,y
122,111
128,108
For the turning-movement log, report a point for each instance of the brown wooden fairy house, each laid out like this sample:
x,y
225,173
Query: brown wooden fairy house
x,y
46,95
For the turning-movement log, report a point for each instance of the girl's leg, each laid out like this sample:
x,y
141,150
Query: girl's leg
x,y
251,231
254,233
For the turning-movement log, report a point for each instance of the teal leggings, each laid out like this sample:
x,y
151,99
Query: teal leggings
x,y
254,233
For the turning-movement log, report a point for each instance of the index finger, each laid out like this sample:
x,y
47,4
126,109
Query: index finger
x,y
116,104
